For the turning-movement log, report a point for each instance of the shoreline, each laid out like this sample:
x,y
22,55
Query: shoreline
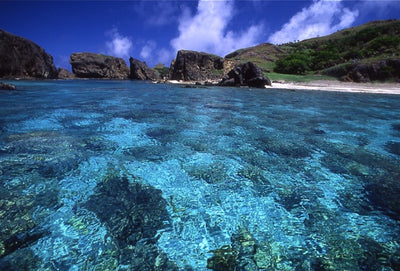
x,y
322,85
337,86
317,85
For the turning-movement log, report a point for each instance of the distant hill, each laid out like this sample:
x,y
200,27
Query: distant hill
x,y
363,53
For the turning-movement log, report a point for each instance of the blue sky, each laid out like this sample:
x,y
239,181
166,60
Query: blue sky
x,y
153,31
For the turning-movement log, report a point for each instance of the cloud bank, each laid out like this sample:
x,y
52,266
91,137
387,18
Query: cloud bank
x,y
320,18
152,54
207,30
118,45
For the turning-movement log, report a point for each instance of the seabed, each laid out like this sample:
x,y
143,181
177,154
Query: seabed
x,y
114,175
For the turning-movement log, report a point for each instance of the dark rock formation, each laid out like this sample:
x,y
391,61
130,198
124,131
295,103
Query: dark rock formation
x,y
90,65
140,70
246,74
367,72
7,86
22,58
65,74
196,66
238,256
133,213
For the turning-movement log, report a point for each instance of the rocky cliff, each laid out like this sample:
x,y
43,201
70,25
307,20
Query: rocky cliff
x,y
90,65
20,57
196,66
245,74
140,71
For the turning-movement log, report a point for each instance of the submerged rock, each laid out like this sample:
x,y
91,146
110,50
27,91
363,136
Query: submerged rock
x,y
20,57
237,256
140,71
247,74
393,147
90,65
7,86
133,214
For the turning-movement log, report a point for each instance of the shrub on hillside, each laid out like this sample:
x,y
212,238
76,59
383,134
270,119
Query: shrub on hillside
x,y
295,63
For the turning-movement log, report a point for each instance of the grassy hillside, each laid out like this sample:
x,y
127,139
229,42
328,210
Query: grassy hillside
x,y
362,53
263,55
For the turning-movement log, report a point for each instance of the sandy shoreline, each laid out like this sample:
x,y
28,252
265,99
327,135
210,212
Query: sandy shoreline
x,y
328,85
325,85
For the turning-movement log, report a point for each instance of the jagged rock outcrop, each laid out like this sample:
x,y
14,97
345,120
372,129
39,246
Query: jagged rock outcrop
x,y
90,65
20,57
196,66
65,74
140,70
246,74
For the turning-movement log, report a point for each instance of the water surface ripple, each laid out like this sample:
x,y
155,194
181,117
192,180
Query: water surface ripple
x,y
120,175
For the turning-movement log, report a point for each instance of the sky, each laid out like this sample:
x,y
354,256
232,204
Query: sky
x,y
153,31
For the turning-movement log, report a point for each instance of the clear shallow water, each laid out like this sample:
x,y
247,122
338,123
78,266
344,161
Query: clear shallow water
x,y
119,175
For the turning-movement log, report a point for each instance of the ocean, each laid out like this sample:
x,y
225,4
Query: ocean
x,y
122,175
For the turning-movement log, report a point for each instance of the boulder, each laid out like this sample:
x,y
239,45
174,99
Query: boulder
x,y
65,74
140,70
90,65
7,86
22,58
246,74
196,66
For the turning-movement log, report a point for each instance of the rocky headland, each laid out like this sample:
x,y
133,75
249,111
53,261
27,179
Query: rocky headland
x,y
22,58
91,65
366,53
140,71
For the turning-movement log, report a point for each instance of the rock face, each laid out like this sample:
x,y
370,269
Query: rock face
x,y
90,65
246,74
22,58
140,70
362,72
196,66
65,74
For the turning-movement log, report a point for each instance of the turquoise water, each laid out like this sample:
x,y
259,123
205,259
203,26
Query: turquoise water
x,y
120,175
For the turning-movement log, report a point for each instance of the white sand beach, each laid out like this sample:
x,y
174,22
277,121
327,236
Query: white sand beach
x,y
327,85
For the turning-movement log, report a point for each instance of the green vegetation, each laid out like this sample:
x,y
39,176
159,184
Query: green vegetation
x,y
379,40
295,63
162,70
375,44
263,55
298,78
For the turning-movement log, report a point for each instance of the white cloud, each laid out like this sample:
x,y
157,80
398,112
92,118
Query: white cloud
x,y
147,50
164,56
119,46
379,8
207,30
153,55
320,18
